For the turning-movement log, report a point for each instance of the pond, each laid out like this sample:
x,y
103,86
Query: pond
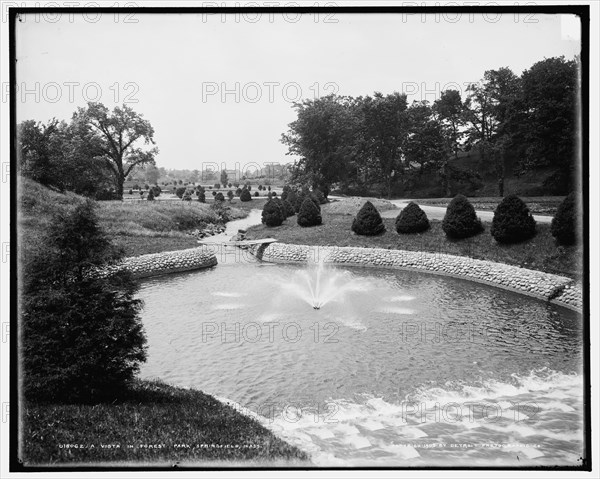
x,y
394,368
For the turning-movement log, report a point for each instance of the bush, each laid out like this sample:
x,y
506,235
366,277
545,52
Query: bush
x,y
368,221
272,214
187,196
256,193
319,196
201,195
289,208
217,185
230,195
309,214
565,223
304,193
238,192
245,195
82,337
219,197
460,220
130,191
157,190
260,188
512,221
214,193
150,195
291,197
412,219
180,191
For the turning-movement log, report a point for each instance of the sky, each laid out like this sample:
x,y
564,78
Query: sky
x,y
219,89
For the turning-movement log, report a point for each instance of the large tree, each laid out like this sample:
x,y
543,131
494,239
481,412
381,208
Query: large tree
x,y
121,132
385,131
322,136
492,109
551,96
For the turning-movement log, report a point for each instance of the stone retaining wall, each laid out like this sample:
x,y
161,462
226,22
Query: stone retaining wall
x,y
166,262
550,287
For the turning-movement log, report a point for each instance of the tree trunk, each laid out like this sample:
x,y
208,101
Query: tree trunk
x,y
120,181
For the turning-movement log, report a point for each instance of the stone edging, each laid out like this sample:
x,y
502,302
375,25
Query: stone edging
x,y
558,289
166,262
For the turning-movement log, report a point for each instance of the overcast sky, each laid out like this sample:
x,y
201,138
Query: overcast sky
x,y
220,88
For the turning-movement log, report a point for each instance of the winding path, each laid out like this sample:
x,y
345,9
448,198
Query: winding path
x,y
438,212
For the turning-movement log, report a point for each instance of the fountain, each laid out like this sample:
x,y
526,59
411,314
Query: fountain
x,y
319,284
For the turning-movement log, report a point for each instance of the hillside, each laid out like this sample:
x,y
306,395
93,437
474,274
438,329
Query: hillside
x,y
138,227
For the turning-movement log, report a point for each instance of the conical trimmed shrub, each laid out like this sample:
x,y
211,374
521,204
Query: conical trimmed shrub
x,y
368,221
565,222
289,208
245,196
412,219
302,195
460,220
512,221
271,214
309,214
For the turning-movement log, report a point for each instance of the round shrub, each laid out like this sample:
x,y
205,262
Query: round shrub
x,y
319,196
256,193
289,208
180,191
130,191
150,195
245,195
214,193
238,192
157,190
512,221
412,219
460,220
565,222
230,195
368,221
219,197
271,214
309,214
201,195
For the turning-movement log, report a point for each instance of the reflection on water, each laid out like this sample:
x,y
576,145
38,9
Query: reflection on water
x,y
396,368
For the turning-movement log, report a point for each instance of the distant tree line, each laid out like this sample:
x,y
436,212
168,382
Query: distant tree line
x,y
516,123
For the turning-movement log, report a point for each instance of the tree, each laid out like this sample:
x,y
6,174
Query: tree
x,y
426,143
224,179
82,337
412,219
385,132
368,221
309,214
493,109
322,137
550,97
460,220
119,133
152,174
512,221
201,195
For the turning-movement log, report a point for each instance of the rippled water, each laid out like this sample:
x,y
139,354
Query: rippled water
x,y
407,370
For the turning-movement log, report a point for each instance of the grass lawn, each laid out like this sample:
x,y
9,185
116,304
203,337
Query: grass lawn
x,y
539,253
151,413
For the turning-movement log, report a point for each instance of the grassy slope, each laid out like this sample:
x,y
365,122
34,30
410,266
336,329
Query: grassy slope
x,y
539,253
151,413
139,227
